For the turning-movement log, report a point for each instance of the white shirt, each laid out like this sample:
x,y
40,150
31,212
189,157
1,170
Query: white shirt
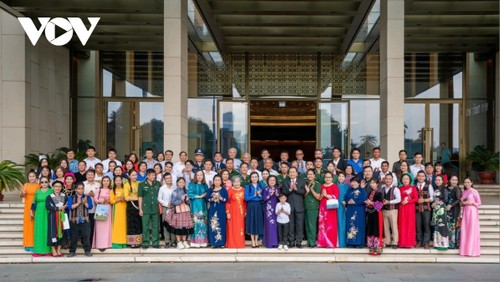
x,y
105,164
394,178
431,189
150,164
301,167
87,188
397,194
414,169
91,162
273,172
209,177
178,168
165,194
282,217
376,163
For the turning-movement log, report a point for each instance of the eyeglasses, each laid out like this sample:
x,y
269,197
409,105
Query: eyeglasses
x,y
44,182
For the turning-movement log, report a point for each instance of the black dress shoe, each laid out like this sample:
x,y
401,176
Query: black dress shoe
x,y
291,245
298,245
145,247
156,247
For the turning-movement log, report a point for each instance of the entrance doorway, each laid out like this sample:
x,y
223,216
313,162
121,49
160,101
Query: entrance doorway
x,y
283,126
133,126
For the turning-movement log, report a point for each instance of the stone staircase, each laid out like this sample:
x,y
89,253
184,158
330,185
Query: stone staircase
x,y
490,191
11,250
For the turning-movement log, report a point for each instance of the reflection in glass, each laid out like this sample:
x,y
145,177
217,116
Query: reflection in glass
x,y
365,125
333,127
151,126
233,122
413,129
202,125
444,119
86,122
118,127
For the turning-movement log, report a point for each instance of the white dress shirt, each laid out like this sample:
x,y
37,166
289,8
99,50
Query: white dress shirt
x,y
394,178
165,194
397,194
414,169
105,164
283,217
91,162
376,163
209,177
178,168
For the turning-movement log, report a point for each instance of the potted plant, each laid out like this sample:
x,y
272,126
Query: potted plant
x,y
11,177
486,163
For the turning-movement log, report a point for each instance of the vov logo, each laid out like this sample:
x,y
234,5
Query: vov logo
x,y
49,26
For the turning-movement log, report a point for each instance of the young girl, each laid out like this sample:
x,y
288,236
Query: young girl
x,y
341,211
134,159
56,204
374,219
44,162
453,212
128,166
254,219
119,216
270,198
64,164
197,191
236,209
181,221
406,212
217,198
102,228
327,222
470,240
134,221
28,193
46,172
41,219
355,201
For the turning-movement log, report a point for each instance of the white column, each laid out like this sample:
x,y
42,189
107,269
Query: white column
x,y
391,78
175,74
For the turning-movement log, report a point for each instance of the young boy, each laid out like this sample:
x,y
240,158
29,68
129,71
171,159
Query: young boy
x,y
148,209
79,205
283,213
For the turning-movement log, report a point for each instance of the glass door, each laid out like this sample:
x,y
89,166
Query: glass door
x,y
233,126
333,127
133,126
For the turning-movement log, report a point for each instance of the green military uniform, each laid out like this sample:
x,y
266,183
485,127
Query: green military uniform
x,y
320,176
303,176
245,181
234,173
312,211
149,194
280,178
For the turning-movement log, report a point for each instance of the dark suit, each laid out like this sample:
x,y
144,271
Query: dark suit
x,y
296,200
341,164
261,165
277,165
221,167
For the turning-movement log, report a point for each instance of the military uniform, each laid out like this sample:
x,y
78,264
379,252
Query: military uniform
x,y
320,176
281,178
149,194
312,211
245,181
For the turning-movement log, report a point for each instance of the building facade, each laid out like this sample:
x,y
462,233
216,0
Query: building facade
x,y
282,75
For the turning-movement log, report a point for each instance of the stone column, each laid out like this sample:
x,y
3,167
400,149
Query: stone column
x,y
175,75
391,78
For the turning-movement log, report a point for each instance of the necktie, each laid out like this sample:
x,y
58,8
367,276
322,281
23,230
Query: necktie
x,y
293,186
217,166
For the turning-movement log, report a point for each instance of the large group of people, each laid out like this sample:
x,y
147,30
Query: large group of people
x,y
223,202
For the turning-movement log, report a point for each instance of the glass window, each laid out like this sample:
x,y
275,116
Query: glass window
x,y
118,127
233,122
333,122
86,119
151,124
413,129
365,125
444,119
202,125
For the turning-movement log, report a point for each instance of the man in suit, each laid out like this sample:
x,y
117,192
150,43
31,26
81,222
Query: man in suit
x,y
295,190
218,165
337,159
264,154
283,159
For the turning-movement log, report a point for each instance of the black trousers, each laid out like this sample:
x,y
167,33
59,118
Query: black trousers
x,y
423,227
92,224
296,230
77,230
283,233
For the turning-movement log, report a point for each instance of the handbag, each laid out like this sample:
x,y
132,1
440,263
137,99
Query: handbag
x,y
101,212
65,222
182,208
332,204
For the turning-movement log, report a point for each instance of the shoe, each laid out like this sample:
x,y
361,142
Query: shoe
x,y
145,247
102,250
418,245
280,247
290,245
156,247
167,246
286,248
173,244
426,246
298,245
204,245
186,244
394,246
88,254
70,255
180,246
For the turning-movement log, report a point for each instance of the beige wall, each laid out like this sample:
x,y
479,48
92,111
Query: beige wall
x,y
34,93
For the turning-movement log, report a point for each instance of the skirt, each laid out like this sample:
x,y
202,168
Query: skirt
x,y
254,221
180,223
134,221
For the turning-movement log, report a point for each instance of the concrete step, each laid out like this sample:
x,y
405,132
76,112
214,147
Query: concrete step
x,y
11,235
488,223
12,210
484,217
10,242
490,236
4,222
11,216
11,205
489,211
12,228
